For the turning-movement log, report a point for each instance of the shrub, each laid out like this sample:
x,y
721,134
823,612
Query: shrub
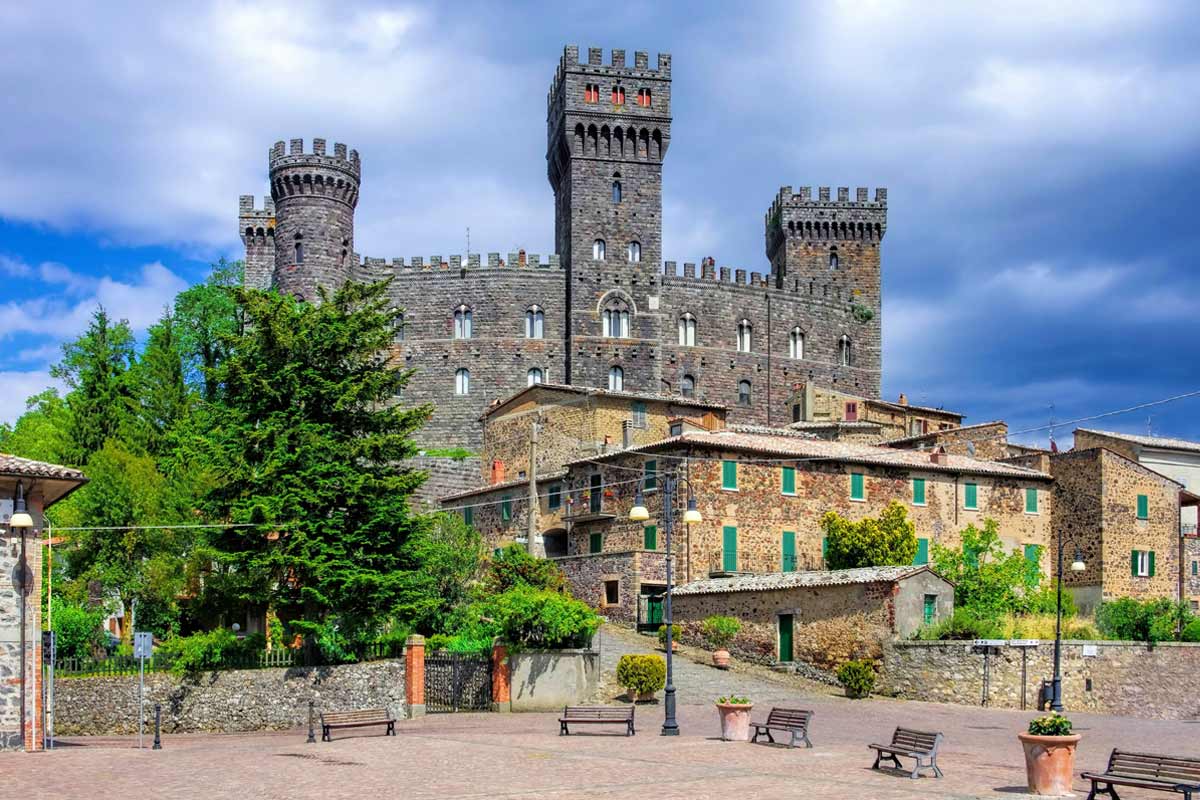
x,y
1148,621
889,539
858,677
733,700
203,652
1191,631
77,629
513,567
662,635
1053,724
529,618
965,624
642,673
720,631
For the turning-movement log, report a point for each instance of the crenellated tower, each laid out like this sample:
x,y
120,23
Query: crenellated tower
x,y
258,235
314,196
608,130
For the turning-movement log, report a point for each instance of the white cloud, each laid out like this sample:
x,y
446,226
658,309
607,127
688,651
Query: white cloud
x,y
18,386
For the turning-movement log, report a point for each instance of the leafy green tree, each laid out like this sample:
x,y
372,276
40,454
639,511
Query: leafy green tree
x,y
1158,620
208,319
77,629
158,396
441,560
93,368
42,432
309,441
512,567
887,540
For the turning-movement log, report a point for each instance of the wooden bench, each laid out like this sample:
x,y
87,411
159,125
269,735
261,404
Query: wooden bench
x,y
356,719
792,720
1177,774
921,746
596,715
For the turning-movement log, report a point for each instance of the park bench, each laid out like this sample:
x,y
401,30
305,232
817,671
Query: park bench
x,y
356,719
921,746
792,720
596,715
1178,774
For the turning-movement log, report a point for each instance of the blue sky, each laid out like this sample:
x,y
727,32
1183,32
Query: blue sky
x,y
1041,160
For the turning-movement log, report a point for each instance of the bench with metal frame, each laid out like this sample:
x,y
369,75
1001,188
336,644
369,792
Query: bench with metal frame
x,y
356,719
596,715
921,746
1176,774
792,720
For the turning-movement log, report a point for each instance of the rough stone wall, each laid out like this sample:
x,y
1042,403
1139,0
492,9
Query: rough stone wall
x,y
587,574
989,442
1087,440
446,476
1191,572
1127,679
10,635
257,229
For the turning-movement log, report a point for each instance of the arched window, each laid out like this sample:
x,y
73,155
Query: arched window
x,y
796,343
845,352
634,251
299,249
616,192
618,95
616,379
687,331
534,375
688,386
462,381
462,323
535,323
744,335
833,259
743,393
615,318
598,249
643,98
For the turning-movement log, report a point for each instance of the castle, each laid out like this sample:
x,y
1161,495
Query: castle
x,y
605,311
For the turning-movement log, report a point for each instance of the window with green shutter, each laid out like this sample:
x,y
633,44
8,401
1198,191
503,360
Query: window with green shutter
x,y
824,550
971,497
506,508
788,480
729,475
729,559
922,556
971,557
1033,554
857,488
595,543
1143,507
918,491
1031,501
650,479
930,609
1196,567
1141,563
554,496
650,537
469,515
788,561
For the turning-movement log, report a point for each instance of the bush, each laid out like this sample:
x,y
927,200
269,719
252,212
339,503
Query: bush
x,y
203,652
662,635
513,567
858,677
733,700
77,629
1191,631
886,540
529,618
1053,724
964,624
720,631
642,673
1148,621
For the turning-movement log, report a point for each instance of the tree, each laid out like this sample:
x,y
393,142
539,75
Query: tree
x,y
990,581
441,559
889,540
512,567
309,440
207,317
41,433
93,368
158,397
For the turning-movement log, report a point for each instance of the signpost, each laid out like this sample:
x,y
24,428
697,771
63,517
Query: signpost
x,y
143,645
49,653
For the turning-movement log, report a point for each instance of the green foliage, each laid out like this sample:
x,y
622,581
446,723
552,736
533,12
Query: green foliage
x,y
642,673
457,453
459,643
528,618
719,631
203,652
888,540
1052,724
733,700
440,561
857,676
964,624
77,629
862,313
208,322
513,567
158,397
1191,631
1144,621
662,635
42,432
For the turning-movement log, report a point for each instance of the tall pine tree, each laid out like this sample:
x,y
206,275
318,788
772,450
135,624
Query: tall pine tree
x,y
93,368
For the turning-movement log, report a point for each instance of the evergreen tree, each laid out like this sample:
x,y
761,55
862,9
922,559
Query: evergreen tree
x,y
206,317
93,368
887,540
42,432
158,396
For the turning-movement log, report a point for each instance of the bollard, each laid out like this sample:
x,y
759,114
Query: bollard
x,y
312,734
157,727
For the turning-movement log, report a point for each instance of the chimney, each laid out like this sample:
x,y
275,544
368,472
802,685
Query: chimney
x,y
939,456
626,434
903,399
497,472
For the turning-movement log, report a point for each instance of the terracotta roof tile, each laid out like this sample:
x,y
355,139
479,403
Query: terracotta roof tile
x,y
771,581
24,467
1165,442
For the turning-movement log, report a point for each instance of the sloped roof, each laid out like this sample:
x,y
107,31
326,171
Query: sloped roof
x,y
773,581
1163,442
673,399
947,432
19,467
509,484
910,407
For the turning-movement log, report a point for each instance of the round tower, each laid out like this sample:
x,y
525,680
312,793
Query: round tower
x,y
315,195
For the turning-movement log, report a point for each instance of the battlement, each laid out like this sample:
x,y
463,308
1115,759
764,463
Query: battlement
x,y
246,207
799,215
517,260
294,155
617,66
830,291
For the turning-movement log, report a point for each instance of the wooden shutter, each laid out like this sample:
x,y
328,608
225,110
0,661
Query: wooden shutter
x,y
789,480
922,556
789,551
856,486
918,491
1133,563
595,543
729,561
728,474
650,537
1143,506
1151,563
971,500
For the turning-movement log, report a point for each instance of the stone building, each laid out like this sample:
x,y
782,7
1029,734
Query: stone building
x,y
816,408
1189,579
988,440
606,310
822,617
39,486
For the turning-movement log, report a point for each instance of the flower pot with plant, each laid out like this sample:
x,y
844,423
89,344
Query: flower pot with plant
x,y
719,632
857,677
1049,755
734,712
662,638
641,675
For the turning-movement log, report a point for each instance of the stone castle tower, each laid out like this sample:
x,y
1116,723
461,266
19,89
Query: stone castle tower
x,y
606,310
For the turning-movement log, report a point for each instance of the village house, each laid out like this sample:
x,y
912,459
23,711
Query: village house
x,y
871,420
987,440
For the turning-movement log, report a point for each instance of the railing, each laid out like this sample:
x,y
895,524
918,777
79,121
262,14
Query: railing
x,y
1187,529
267,659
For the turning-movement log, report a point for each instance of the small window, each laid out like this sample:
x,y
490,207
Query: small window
x,y
616,191
1143,506
598,249
535,323
971,497
729,475
612,594
299,249
1031,501
595,495
616,379
506,508
618,95
595,543
788,480
845,352
743,393
930,608
745,335
639,414
857,486
591,93
462,381
398,326
851,414
922,556
634,251
650,537
1195,568
469,515
554,497
687,331
534,376
796,343
918,488
650,475
1142,563
688,386
833,259
676,429
643,98
463,319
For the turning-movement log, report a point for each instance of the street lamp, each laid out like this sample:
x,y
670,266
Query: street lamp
x,y
21,521
639,513
1077,565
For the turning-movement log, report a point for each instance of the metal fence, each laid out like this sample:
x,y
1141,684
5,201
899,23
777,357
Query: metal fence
x,y
267,659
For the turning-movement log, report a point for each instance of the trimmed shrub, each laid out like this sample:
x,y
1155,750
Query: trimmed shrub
x,y
1052,724
858,677
720,631
528,618
642,673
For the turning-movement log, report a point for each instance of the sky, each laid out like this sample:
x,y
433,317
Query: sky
x,y
1040,159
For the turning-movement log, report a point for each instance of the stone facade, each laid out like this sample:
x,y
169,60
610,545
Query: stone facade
x,y
1097,509
446,476
812,404
608,131
1122,678
617,583
988,440
1191,571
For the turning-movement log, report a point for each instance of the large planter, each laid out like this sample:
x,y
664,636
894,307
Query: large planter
x,y
735,721
635,697
1049,763
721,659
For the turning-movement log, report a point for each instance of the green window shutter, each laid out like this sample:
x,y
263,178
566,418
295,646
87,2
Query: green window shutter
x,y
856,486
1196,567
971,557
728,474
930,610
650,482
971,498
789,551
469,515
1151,563
595,543
650,537
506,508
918,491
1143,507
785,638
729,559
789,480
922,556
824,549
1133,559
1032,562
1031,501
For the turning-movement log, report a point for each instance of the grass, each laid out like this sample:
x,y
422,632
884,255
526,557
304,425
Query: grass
x,y
457,453
1041,626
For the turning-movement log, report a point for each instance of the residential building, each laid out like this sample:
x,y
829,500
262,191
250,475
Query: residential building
x,y
814,406
987,440
1178,459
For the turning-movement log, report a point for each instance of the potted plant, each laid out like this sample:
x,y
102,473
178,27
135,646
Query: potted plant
x,y
1049,755
857,677
641,675
719,633
662,637
734,712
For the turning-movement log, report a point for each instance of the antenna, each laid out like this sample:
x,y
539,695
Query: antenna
x,y
468,243
1052,426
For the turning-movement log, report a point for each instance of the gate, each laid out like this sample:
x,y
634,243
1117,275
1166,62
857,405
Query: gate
x,y
457,682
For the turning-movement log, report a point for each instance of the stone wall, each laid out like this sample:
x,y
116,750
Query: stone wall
x,y
1191,571
446,476
587,575
11,599
1121,678
227,701
549,680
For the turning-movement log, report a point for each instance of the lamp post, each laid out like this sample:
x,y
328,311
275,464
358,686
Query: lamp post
x,y
639,514
1076,566
21,521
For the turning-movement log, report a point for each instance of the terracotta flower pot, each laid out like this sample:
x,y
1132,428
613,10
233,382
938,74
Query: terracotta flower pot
x,y
1049,763
633,696
735,721
721,659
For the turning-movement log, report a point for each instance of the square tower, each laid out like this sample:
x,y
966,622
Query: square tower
x,y
608,129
